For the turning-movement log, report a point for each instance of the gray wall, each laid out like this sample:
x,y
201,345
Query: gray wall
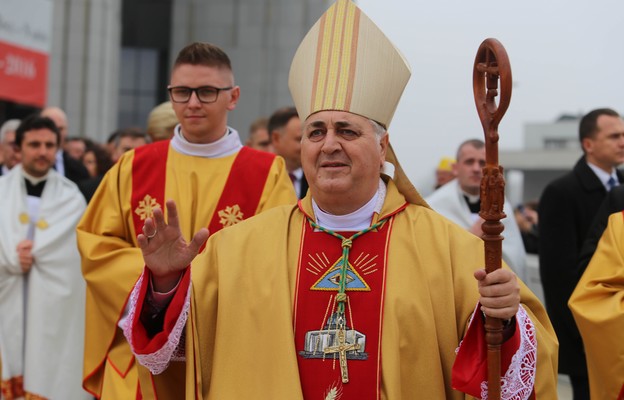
x,y
84,64
260,36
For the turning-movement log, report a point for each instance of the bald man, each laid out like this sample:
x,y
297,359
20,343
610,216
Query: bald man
x,y
65,165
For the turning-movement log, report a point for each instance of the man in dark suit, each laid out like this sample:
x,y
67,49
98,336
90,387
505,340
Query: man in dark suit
x,y
10,157
285,131
566,210
70,168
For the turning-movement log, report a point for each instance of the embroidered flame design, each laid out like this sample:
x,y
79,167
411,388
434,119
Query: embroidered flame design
x,y
146,207
230,216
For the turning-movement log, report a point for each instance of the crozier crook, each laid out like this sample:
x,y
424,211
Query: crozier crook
x,y
491,66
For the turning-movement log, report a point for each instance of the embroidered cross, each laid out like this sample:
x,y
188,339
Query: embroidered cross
x,y
146,207
230,216
342,349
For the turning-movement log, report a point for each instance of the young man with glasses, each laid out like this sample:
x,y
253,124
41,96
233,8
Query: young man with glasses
x,y
216,182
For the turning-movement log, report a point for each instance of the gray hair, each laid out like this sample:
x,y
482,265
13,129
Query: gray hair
x,y
380,131
8,126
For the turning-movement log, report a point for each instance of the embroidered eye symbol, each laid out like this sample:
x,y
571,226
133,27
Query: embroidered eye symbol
x,y
335,279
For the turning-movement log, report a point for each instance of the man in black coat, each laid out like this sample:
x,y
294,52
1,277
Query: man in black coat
x,y
566,210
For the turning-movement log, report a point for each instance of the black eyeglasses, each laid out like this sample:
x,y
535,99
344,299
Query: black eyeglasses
x,y
205,94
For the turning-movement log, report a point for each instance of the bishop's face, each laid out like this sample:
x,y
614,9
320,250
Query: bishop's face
x,y
342,156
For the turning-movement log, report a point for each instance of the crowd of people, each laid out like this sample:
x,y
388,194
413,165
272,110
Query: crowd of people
x,y
174,262
564,227
80,159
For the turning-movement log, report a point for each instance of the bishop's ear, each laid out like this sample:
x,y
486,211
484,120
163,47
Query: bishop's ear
x,y
384,148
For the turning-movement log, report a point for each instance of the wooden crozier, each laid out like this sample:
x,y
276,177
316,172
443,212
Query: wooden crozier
x,y
491,66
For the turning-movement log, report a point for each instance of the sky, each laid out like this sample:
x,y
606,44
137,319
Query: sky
x,y
566,57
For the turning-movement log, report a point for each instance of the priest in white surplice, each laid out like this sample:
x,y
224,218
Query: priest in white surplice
x,y
41,287
459,200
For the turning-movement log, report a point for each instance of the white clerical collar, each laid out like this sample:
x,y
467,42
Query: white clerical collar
x,y
227,145
355,221
472,198
34,180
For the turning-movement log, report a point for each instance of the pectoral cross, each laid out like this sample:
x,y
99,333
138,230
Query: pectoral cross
x,y
342,349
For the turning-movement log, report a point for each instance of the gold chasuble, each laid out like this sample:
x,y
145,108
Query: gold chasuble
x,y
597,304
246,331
112,261
239,198
278,307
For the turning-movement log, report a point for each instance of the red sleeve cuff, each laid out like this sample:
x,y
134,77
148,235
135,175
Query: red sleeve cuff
x,y
470,367
142,343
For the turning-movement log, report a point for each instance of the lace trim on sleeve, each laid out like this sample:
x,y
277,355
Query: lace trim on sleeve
x,y
173,350
518,382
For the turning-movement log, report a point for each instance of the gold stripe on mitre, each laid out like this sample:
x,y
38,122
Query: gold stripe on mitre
x,y
346,63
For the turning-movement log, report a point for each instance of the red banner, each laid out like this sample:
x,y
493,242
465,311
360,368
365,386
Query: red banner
x,y
23,75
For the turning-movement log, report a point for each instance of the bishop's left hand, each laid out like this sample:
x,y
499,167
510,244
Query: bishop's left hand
x,y
500,293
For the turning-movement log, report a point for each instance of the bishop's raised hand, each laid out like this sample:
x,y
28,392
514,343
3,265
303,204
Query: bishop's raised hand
x,y
165,251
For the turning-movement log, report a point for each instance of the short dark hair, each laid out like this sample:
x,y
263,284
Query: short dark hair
x,y
207,54
280,118
32,122
111,137
476,143
133,132
103,160
589,123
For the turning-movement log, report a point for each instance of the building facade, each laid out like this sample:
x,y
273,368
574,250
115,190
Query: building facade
x,y
110,60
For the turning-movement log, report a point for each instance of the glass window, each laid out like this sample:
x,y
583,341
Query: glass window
x,y
138,88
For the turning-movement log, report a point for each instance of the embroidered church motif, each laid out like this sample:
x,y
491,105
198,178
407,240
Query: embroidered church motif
x,y
327,342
